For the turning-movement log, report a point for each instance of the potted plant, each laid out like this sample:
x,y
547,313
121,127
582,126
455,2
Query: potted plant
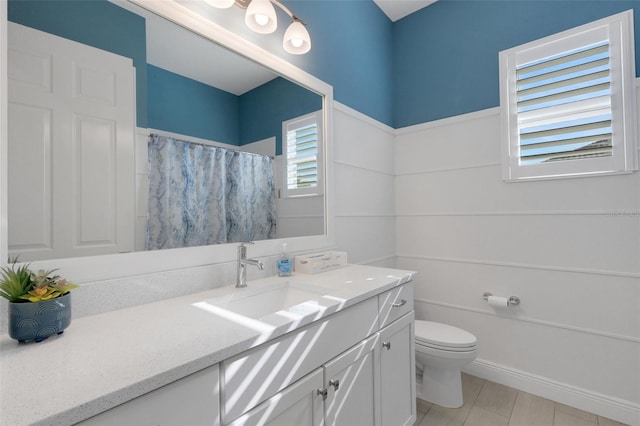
x,y
39,303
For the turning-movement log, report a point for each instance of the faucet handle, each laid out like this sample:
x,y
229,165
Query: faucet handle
x,y
242,243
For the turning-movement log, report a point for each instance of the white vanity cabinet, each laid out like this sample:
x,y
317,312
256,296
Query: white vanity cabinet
x,y
364,354
354,367
256,375
344,391
191,401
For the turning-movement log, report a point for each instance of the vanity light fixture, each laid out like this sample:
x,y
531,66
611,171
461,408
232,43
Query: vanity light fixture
x,y
221,4
261,18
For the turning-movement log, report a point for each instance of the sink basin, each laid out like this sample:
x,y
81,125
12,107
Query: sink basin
x,y
257,303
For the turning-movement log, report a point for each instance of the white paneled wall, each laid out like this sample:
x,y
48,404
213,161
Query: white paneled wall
x,y
570,249
364,188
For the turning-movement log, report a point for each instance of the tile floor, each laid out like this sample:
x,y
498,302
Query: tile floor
x,y
490,404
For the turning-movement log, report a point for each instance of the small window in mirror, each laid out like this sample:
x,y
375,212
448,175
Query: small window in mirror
x,y
302,151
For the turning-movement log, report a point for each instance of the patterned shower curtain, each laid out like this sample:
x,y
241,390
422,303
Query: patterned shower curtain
x,y
201,195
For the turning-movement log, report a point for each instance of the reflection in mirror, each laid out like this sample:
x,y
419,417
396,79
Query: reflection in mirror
x,y
139,134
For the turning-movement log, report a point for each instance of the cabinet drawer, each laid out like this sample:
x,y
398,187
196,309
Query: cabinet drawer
x,y
395,303
257,374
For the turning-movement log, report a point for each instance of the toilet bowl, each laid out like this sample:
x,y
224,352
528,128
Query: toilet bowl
x,y
441,352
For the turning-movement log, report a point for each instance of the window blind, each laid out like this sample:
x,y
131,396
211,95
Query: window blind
x,y
564,106
302,156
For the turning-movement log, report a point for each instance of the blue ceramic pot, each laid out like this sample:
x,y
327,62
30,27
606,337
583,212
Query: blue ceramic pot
x,y
39,320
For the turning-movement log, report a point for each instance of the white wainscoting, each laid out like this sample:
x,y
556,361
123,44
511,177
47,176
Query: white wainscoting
x,y
364,182
570,249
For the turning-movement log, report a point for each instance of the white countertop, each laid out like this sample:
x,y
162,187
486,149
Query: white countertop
x,y
104,360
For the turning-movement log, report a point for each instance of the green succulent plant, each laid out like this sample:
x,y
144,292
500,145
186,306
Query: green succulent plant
x,y
18,284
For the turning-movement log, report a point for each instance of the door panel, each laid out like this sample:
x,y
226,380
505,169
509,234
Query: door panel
x,y
33,127
351,382
397,372
298,404
82,150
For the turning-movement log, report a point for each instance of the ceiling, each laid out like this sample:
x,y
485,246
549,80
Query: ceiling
x,y
398,9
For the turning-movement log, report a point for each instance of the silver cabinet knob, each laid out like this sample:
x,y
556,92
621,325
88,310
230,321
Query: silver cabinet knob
x,y
335,383
386,345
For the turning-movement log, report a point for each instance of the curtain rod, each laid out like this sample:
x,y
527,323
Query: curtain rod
x,y
209,145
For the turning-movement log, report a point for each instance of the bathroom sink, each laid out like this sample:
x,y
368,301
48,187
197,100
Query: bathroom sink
x,y
284,299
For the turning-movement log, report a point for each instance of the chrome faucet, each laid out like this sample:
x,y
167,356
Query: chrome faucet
x,y
241,268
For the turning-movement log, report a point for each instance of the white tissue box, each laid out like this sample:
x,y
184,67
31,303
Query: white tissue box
x,y
320,262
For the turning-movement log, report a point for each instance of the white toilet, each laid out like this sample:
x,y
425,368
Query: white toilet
x,y
441,352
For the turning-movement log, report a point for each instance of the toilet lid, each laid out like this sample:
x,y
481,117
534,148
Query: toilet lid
x,y
443,335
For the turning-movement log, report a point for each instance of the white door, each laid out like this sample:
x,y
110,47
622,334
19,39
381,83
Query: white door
x,y
71,148
351,383
397,372
299,404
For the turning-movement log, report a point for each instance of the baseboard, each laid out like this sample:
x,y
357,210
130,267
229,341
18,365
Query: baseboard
x,y
613,408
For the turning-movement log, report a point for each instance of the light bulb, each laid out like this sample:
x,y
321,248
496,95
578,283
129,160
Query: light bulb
x,y
261,16
261,19
296,39
220,4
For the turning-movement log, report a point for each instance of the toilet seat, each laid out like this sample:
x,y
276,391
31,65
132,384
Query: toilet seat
x,y
444,337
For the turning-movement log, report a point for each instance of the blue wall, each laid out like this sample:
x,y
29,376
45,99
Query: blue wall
x,y
351,49
91,22
264,108
439,62
181,105
446,55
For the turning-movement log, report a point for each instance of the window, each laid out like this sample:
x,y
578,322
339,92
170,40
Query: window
x,y
568,102
302,155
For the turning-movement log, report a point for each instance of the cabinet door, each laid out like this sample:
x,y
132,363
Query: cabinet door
x,y
397,372
285,360
192,400
299,404
351,381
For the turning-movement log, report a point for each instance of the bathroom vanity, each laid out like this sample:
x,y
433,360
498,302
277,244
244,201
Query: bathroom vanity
x,y
332,348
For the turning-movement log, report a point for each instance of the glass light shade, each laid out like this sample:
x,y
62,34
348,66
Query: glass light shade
x,y
261,16
296,39
220,4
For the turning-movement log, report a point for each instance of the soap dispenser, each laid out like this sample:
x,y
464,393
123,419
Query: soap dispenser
x,y
284,263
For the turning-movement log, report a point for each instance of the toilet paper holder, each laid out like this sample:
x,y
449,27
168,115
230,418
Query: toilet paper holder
x,y
513,300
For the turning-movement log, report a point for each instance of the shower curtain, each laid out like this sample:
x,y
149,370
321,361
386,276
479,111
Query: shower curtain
x,y
202,195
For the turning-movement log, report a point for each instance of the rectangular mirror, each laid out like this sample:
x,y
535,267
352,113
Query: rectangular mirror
x,y
139,134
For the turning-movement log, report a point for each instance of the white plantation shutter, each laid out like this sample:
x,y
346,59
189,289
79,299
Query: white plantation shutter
x,y
302,157
564,102
302,152
578,84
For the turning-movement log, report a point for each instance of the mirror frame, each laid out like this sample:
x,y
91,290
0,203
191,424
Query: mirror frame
x,y
113,266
